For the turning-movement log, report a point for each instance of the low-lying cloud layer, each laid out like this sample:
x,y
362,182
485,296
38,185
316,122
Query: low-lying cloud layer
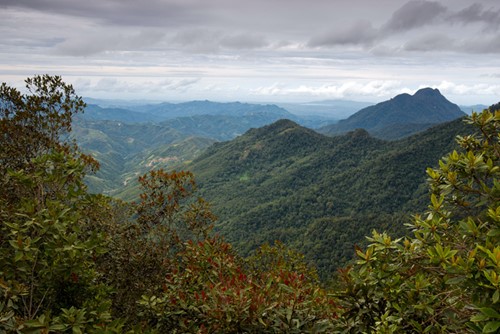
x,y
311,49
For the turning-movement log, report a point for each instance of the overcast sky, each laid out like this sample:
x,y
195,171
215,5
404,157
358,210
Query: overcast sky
x,y
256,50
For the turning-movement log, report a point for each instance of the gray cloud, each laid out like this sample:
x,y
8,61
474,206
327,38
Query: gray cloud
x,y
243,41
476,13
95,42
207,41
196,40
141,13
431,42
440,42
249,44
488,45
414,14
361,32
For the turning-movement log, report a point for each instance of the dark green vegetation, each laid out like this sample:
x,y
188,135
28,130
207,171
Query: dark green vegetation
x,y
403,115
321,195
75,262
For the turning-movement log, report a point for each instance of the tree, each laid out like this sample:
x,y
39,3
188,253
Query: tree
x,y
445,278
144,250
48,276
35,124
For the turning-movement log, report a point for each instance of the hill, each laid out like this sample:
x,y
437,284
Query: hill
x,y
400,116
319,194
129,138
126,151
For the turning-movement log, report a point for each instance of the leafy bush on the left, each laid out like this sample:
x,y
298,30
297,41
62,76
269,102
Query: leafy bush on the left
x,y
48,276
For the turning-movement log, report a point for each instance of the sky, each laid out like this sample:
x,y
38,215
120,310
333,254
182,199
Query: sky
x,y
256,50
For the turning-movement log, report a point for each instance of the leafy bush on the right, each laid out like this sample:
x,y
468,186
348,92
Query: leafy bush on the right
x,y
444,279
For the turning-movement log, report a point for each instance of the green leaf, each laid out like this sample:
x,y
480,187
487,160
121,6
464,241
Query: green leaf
x,y
479,318
489,312
494,232
57,327
491,327
18,256
455,280
35,323
77,330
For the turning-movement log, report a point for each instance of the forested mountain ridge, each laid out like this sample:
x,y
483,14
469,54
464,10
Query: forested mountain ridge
x,y
400,116
319,194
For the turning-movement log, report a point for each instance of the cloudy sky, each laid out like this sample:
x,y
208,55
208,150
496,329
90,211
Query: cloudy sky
x,y
256,50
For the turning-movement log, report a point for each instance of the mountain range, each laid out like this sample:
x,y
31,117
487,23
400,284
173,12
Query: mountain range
x,y
270,178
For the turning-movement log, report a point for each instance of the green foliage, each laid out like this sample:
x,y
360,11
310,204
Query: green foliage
x,y
445,277
34,123
75,262
47,250
214,290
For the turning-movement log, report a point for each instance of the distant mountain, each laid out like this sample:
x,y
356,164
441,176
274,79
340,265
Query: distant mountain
x,y
159,112
476,107
318,194
173,110
115,143
126,151
95,112
328,109
404,113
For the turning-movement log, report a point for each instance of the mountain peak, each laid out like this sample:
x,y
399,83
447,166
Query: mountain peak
x,y
282,124
275,129
408,113
428,92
